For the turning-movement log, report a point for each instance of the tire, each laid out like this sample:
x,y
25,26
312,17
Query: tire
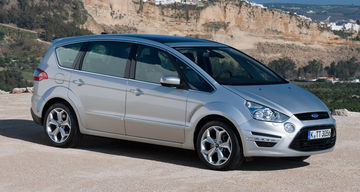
x,y
298,159
61,126
226,143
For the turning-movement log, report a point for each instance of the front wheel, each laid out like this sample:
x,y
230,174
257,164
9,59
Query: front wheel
x,y
60,126
218,146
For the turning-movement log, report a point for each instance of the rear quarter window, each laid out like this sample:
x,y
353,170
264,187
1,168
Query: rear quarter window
x,y
67,54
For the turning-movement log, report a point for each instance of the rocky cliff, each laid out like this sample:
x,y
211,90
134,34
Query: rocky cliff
x,y
266,34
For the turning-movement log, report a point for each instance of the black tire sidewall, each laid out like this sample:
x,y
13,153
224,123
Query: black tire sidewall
x,y
236,157
74,132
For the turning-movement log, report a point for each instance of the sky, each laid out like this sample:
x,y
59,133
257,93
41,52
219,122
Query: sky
x,y
318,2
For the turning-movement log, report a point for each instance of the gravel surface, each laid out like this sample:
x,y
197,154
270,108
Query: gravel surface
x,y
28,163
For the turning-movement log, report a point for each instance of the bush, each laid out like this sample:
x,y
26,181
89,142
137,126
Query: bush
x,y
12,78
357,38
343,34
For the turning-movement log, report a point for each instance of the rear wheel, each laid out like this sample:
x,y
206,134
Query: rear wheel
x,y
60,126
218,146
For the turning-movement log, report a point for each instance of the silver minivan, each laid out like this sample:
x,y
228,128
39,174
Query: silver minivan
x,y
179,92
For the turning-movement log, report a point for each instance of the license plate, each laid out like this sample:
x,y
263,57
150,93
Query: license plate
x,y
319,134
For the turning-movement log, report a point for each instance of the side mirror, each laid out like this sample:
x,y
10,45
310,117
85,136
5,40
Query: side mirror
x,y
170,81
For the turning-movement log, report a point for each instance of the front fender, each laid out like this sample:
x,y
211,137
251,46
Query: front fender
x,y
229,111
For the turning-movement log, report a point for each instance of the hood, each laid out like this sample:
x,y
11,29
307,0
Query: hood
x,y
286,98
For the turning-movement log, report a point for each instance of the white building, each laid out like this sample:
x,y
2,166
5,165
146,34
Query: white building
x,y
346,27
192,2
165,2
352,27
255,4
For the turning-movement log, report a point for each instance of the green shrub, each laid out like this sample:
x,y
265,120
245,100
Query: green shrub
x,y
12,78
343,34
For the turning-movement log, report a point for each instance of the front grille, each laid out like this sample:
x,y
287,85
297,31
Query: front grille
x,y
312,116
301,142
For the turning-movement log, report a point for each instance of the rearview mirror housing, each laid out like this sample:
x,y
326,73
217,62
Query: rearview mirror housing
x,y
170,81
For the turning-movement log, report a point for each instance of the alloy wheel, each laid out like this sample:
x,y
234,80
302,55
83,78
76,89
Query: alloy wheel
x,y
216,145
58,125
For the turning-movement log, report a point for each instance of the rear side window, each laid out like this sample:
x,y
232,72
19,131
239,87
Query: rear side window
x,y
108,58
67,54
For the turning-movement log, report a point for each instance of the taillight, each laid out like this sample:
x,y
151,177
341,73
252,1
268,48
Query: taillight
x,y
39,75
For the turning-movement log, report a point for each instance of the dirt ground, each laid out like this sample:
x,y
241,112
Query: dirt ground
x,y
28,163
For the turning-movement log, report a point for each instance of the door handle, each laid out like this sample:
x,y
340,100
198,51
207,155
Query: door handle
x,y
78,82
137,91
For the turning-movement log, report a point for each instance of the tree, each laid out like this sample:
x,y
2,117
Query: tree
x,y
56,18
344,70
331,69
2,36
313,70
284,67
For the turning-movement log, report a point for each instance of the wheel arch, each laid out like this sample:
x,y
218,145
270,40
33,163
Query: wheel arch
x,y
215,117
54,100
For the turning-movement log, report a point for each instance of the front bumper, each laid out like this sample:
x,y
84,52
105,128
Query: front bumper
x,y
271,140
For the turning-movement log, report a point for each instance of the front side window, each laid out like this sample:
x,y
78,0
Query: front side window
x,y
231,67
67,54
108,58
152,64
193,79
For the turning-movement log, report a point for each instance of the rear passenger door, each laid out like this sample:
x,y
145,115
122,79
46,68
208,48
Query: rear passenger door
x,y
100,85
152,110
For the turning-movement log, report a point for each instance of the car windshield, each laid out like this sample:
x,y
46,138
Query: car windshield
x,y
231,67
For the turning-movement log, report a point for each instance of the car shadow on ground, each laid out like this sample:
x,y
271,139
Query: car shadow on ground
x,y
27,130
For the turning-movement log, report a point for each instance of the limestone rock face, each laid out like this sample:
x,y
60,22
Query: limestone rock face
x,y
341,112
22,90
29,89
2,92
18,90
265,34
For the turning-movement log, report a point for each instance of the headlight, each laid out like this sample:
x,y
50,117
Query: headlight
x,y
263,113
